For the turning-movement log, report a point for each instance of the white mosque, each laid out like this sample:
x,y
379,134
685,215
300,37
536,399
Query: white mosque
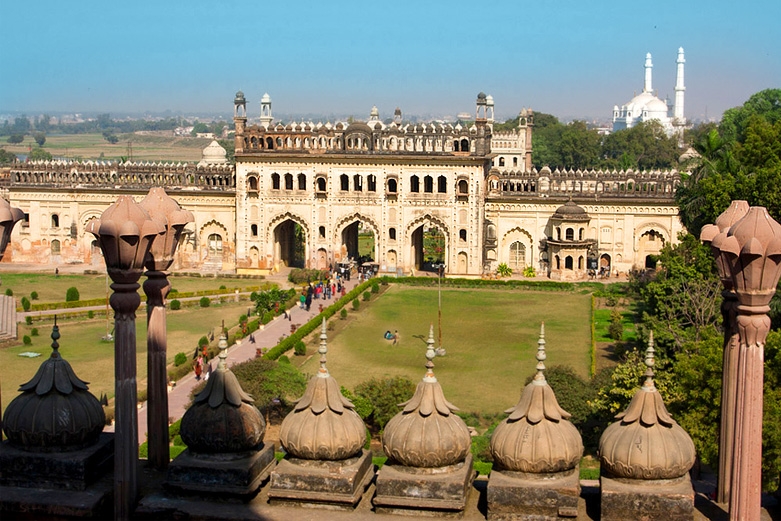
x,y
646,106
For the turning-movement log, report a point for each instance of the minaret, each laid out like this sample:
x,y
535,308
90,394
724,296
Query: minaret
x,y
678,116
265,110
647,86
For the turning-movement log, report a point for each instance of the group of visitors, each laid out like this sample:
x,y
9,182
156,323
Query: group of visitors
x,y
201,364
324,289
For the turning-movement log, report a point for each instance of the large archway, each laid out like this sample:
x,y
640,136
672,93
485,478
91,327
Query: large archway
x,y
358,238
428,246
290,244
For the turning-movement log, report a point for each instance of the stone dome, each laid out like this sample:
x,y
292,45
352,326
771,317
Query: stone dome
x,y
55,411
537,437
213,154
223,418
427,433
323,425
646,443
571,211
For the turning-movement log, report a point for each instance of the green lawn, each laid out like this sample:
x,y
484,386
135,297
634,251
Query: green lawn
x,y
93,360
490,337
602,322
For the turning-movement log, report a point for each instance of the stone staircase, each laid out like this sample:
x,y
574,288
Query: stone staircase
x,y
7,318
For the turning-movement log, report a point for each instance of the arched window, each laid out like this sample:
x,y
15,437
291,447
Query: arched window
x,y
558,262
558,234
252,183
392,234
568,262
442,184
515,161
463,187
518,256
580,262
321,184
581,232
55,220
301,182
358,183
215,244
464,145
462,235
288,181
275,181
414,184
428,184
253,230
344,181
321,232
570,234
269,143
372,183
55,247
501,161
392,186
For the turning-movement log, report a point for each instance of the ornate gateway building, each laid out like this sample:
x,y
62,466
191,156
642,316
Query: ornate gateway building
x,y
306,194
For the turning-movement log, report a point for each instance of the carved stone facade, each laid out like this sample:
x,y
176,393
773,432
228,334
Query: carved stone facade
x,y
299,193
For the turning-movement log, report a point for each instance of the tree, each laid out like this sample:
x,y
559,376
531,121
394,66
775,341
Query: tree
x,y
384,395
6,158
110,137
766,104
15,139
39,138
616,328
72,294
274,386
199,128
39,154
579,147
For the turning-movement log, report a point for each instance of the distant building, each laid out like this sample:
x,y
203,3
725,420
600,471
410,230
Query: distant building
x,y
647,107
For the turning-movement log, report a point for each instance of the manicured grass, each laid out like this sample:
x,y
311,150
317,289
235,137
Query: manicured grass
x,y
93,360
53,289
490,337
602,322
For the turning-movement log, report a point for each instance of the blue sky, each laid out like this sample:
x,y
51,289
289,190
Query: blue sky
x,y
568,58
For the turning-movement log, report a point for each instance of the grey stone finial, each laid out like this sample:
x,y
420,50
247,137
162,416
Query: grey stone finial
x,y
649,363
430,354
223,345
323,372
55,336
540,376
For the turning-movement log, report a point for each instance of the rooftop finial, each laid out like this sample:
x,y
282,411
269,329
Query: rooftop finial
x,y
55,337
323,372
430,354
649,363
223,345
540,376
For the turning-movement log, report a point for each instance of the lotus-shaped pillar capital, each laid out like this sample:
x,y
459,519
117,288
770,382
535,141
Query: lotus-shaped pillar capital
x,y
172,218
8,218
715,234
125,232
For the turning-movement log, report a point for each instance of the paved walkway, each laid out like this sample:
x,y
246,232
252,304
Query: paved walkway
x,y
179,395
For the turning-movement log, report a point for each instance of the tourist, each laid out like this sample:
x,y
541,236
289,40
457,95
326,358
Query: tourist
x,y
198,366
395,337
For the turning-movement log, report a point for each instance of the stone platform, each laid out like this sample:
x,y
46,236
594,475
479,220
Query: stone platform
x,y
338,484
668,499
538,497
238,475
421,491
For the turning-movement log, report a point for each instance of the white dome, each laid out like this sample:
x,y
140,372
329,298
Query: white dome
x,y
213,154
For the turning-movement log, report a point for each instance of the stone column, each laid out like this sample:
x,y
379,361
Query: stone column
x,y
753,247
715,234
125,233
172,219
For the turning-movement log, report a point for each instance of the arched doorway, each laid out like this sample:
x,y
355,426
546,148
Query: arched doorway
x,y
359,242
650,262
428,244
517,256
290,244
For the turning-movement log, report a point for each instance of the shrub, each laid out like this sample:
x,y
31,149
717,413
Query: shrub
x,y
203,341
223,286
180,358
342,314
529,272
204,302
25,304
72,294
175,305
9,292
300,348
26,340
366,296
616,328
356,305
283,360
34,331
384,395
34,295
28,320
90,314
375,287
611,301
503,270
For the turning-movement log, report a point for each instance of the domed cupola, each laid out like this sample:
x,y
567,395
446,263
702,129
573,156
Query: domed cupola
x,y
323,425
213,154
55,411
223,418
571,211
427,433
537,437
646,443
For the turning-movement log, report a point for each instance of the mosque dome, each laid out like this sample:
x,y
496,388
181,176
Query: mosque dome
x,y
223,418
323,425
537,437
427,433
646,443
213,154
55,411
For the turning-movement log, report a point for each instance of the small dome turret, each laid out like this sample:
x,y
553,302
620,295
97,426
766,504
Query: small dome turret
x,y
646,443
55,412
213,154
427,433
537,437
223,418
323,425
